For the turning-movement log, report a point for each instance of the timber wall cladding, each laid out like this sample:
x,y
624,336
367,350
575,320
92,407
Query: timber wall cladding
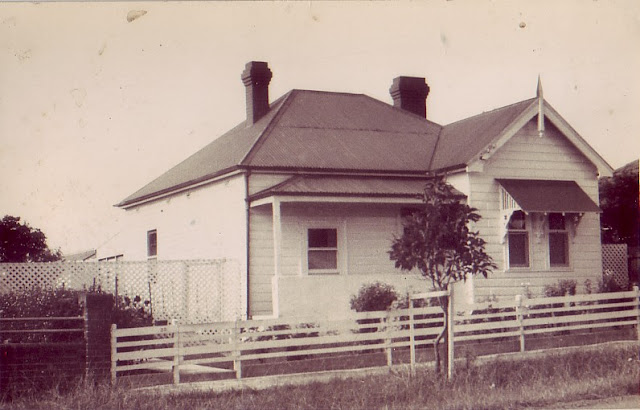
x,y
615,263
191,291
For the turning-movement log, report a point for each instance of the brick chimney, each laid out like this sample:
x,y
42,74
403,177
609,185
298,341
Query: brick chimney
x,y
256,77
410,93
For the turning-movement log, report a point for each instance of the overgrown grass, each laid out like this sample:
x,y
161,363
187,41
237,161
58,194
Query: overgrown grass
x,y
594,372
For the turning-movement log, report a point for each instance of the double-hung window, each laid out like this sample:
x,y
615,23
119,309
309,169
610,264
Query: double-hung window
x,y
558,240
518,241
152,243
322,251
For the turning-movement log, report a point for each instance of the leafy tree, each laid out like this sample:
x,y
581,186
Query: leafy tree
x,y
21,243
438,242
619,203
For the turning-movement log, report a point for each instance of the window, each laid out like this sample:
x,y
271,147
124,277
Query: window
x,y
152,244
558,241
518,240
322,254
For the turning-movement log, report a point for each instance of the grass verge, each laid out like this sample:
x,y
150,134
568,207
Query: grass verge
x,y
542,381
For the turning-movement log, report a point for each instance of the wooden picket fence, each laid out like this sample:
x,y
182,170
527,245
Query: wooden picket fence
x,y
225,347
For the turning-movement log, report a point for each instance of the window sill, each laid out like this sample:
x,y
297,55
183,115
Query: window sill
x,y
323,273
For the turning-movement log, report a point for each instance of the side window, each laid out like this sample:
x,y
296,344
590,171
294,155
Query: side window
x,y
322,251
152,243
558,241
518,241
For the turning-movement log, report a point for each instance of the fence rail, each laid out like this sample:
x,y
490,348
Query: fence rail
x,y
225,347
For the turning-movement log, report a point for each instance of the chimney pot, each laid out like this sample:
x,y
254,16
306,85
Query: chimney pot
x,y
410,93
256,78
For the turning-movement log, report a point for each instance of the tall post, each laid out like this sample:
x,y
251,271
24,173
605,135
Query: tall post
x,y
520,319
450,333
412,337
277,252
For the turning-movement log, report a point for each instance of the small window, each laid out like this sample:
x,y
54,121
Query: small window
x,y
152,244
558,241
518,240
322,251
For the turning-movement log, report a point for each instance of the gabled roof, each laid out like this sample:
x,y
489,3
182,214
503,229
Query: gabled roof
x,y
463,140
311,130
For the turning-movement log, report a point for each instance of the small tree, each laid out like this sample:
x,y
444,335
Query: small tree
x,y
21,243
438,242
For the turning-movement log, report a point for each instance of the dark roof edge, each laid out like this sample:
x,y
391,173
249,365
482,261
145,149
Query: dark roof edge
x,y
348,171
178,187
268,192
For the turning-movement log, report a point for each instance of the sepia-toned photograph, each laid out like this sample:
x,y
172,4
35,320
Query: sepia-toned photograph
x,y
319,205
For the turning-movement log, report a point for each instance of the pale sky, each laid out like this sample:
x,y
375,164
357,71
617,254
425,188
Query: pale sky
x,y
94,106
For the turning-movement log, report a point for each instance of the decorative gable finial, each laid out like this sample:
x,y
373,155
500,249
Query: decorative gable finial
x,y
540,108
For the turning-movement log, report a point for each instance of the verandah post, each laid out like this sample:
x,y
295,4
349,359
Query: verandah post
x,y
412,341
520,319
450,333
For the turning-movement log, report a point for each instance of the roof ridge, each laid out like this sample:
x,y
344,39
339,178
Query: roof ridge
x,y
276,117
435,148
490,111
403,111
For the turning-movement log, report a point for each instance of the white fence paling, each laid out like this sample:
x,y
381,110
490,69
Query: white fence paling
x,y
234,342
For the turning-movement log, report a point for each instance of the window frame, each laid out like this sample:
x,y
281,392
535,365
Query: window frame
x,y
337,249
565,233
152,233
526,232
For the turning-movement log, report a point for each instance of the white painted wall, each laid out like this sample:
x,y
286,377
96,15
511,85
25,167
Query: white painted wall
x,y
528,156
208,222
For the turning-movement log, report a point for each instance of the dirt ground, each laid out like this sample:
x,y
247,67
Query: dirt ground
x,y
621,402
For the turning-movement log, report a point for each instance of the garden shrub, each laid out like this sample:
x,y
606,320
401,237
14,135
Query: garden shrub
x,y
564,287
372,297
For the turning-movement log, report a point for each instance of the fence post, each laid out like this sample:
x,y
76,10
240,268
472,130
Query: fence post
x,y
637,300
450,333
114,351
412,337
520,319
235,340
178,350
388,339
98,313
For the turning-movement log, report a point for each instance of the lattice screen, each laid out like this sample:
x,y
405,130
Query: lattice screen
x,y
615,262
191,291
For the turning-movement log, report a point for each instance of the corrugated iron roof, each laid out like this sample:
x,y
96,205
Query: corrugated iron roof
x,y
311,130
549,196
348,186
461,141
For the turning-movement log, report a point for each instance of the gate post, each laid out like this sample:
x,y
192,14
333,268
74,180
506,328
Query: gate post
x,y
114,352
98,314
412,337
388,339
637,307
520,319
450,333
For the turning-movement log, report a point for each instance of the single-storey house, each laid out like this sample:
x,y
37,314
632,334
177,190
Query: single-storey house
x,y
309,191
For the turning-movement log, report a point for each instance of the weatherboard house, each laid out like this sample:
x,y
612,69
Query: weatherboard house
x,y
309,191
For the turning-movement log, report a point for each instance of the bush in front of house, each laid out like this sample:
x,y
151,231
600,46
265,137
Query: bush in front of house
x,y
564,287
372,297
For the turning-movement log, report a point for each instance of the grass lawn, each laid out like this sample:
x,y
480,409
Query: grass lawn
x,y
538,381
